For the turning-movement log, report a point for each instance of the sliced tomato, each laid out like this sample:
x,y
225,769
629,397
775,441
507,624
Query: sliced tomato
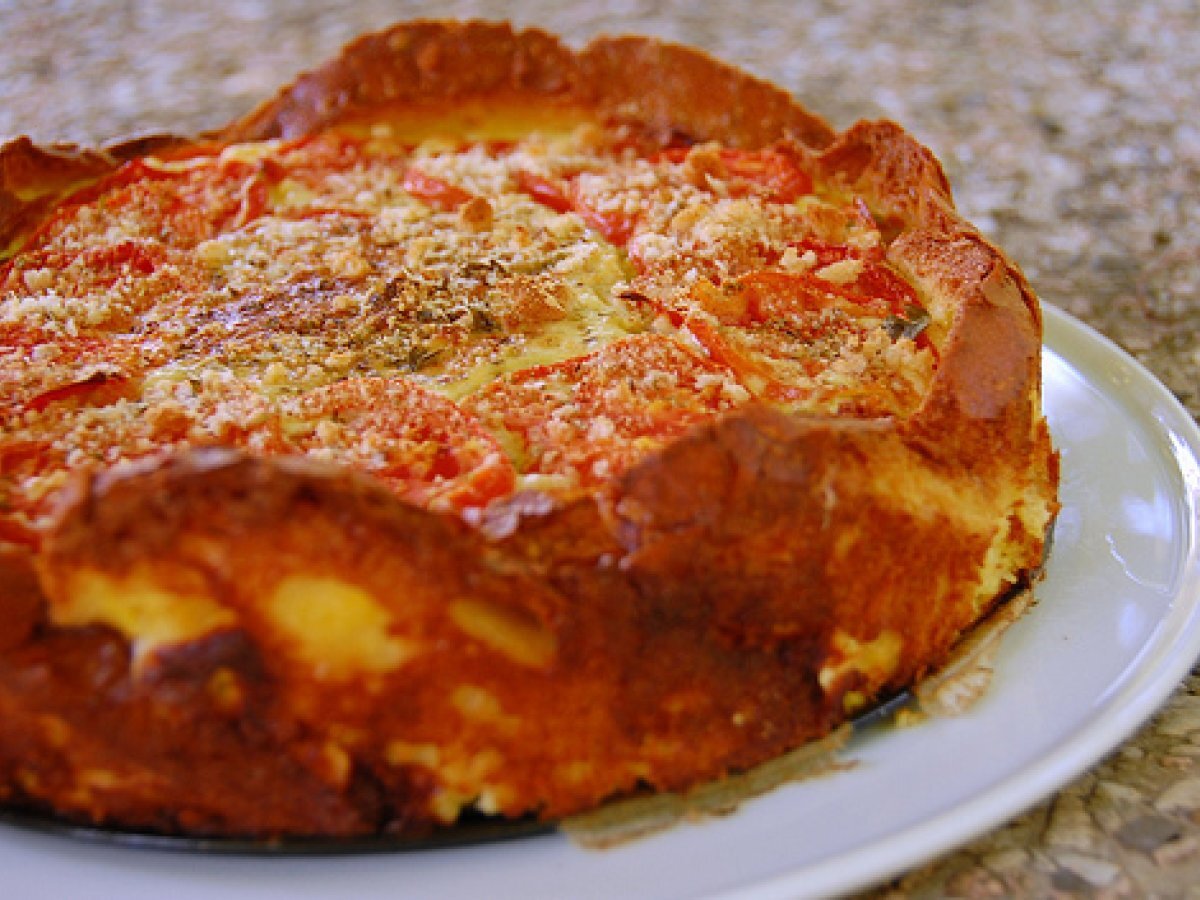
x,y
435,191
614,226
824,252
875,281
880,282
423,445
174,205
747,360
671,154
776,174
134,257
20,338
226,195
776,295
89,388
497,146
698,320
546,192
768,327
92,268
320,154
15,453
132,173
310,161
593,416
617,227
653,386
91,369
768,317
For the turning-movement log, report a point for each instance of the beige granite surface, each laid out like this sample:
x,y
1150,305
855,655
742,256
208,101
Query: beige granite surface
x,y
1071,133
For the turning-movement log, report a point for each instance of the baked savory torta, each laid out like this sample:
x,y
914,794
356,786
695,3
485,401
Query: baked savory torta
x,y
488,425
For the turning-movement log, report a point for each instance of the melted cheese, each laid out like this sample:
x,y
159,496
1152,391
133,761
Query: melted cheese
x,y
140,608
874,660
473,120
517,637
340,630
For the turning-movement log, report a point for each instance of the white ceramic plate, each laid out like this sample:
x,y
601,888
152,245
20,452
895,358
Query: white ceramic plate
x,y
1116,629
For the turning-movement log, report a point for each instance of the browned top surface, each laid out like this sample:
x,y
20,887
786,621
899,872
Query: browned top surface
x,y
984,316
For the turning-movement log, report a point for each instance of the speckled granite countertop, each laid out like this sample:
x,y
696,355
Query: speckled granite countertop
x,y
1070,132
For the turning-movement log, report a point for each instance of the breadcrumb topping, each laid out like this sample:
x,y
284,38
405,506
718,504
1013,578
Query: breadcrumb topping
x,y
580,304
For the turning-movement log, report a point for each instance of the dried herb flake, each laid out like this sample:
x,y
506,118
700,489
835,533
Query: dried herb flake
x,y
912,323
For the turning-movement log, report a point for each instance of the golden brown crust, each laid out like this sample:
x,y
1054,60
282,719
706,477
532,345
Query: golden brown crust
x,y
665,87
654,693
725,599
417,63
902,179
33,178
694,94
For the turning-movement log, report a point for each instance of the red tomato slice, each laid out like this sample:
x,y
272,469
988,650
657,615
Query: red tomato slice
x,y
750,373
424,446
825,252
59,435
875,281
114,366
776,295
321,153
767,318
14,453
218,198
88,388
775,174
174,206
671,154
437,193
614,226
751,367
593,416
767,327
92,268
311,160
544,191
